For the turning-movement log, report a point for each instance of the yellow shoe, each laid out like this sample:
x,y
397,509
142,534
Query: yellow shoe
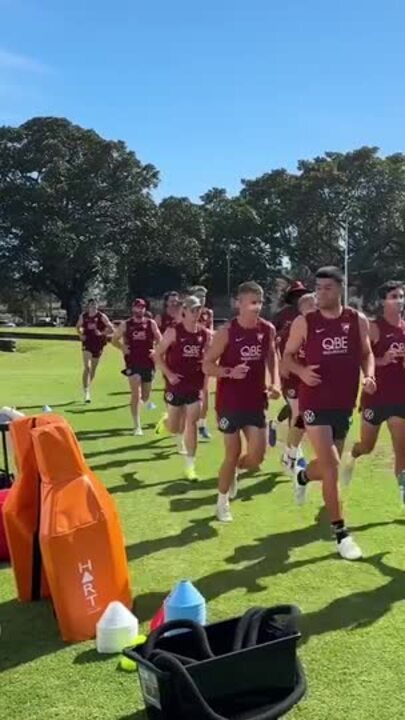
x,y
160,428
190,474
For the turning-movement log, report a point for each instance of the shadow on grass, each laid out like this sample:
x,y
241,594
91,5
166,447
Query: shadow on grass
x,y
270,557
91,656
139,715
263,487
360,609
54,406
87,410
28,631
198,530
103,434
135,445
158,456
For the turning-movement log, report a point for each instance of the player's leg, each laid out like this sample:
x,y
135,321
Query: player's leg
x,y
327,452
255,448
396,426
86,377
202,423
369,431
192,416
228,469
295,435
135,384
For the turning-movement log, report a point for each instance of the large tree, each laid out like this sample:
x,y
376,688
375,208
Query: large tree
x,y
68,199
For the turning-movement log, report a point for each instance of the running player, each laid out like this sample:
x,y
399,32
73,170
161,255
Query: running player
x,y
136,338
207,321
93,327
388,403
179,355
171,311
337,345
290,384
238,357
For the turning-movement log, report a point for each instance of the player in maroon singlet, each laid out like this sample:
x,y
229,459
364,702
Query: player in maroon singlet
x,y
94,327
290,385
388,402
207,321
337,345
179,355
171,311
240,353
136,338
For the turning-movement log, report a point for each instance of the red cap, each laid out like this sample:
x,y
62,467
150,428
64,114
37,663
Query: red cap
x,y
296,286
139,302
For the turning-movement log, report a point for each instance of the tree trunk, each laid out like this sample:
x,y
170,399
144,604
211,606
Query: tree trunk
x,y
72,305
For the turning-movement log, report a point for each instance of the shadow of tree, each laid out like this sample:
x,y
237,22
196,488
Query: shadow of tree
x,y
87,410
126,448
20,643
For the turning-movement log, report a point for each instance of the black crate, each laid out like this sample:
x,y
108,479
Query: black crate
x,y
235,684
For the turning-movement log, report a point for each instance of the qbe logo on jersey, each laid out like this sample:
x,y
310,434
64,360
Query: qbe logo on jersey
x,y
191,351
87,581
251,352
338,345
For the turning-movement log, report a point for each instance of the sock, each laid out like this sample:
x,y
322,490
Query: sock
x,y
302,478
292,453
339,530
223,498
189,462
202,423
179,440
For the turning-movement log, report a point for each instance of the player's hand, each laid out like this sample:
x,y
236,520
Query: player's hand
x,y
369,385
174,378
152,353
274,393
239,372
309,376
391,356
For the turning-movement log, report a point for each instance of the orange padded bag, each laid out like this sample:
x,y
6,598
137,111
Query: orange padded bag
x,y
81,541
21,511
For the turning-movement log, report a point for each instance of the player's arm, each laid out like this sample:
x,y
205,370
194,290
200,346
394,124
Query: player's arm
x,y
79,326
158,320
168,339
118,337
298,334
157,335
108,326
367,356
272,363
211,321
215,350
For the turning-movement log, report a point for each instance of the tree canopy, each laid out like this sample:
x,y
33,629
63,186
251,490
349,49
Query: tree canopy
x,y
76,210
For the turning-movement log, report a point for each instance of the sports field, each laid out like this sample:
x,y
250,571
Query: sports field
x,y
353,614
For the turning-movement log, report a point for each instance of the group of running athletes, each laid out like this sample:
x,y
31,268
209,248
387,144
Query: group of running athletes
x,y
313,354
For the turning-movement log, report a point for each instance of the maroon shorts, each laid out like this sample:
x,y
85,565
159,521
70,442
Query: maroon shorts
x,y
95,351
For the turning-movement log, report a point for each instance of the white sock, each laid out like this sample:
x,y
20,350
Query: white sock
x,y
180,440
223,498
202,422
292,453
189,461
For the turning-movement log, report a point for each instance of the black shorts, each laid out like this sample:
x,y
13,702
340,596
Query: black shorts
x,y
181,400
146,374
378,415
232,422
95,353
338,420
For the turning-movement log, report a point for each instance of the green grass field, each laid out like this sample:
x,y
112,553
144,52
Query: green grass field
x,y
353,614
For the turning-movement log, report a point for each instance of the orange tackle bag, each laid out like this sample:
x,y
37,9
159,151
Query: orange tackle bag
x,y
21,511
81,541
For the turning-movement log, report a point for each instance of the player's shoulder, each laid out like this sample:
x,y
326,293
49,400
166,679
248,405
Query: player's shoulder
x,y
267,327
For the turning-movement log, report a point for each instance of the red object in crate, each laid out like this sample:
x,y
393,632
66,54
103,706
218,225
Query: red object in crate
x,y
4,551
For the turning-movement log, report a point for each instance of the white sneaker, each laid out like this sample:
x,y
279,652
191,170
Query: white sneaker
x,y
224,512
348,549
138,432
347,467
87,397
233,490
151,405
300,491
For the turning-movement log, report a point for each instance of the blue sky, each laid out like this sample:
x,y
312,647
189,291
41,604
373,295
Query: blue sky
x,y
211,91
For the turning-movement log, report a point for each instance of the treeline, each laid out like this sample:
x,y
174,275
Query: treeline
x,y
77,213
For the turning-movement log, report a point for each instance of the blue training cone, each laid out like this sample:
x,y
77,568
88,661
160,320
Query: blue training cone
x,y
46,409
186,603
